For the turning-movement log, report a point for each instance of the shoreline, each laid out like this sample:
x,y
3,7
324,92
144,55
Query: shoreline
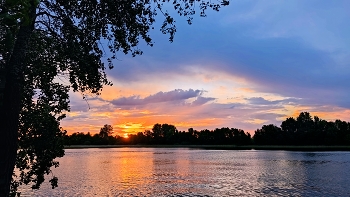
x,y
221,147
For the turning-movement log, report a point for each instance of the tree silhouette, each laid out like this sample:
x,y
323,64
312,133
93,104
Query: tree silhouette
x,y
291,132
304,130
106,131
269,135
43,40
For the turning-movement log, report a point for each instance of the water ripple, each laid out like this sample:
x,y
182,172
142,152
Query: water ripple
x,y
188,172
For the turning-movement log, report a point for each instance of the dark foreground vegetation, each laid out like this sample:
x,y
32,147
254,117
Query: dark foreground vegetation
x,y
301,131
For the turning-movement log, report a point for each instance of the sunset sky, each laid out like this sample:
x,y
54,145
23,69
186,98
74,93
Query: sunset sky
x,y
252,63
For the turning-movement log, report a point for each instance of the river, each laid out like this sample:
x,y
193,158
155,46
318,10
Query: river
x,y
197,172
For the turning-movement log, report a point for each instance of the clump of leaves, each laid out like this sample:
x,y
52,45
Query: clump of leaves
x,y
62,51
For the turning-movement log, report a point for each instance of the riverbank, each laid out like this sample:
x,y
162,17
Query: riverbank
x,y
222,147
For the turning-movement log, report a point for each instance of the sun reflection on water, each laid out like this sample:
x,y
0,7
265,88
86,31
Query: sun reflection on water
x,y
194,172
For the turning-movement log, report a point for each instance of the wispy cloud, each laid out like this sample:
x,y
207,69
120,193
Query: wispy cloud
x,y
263,101
259,62
171,96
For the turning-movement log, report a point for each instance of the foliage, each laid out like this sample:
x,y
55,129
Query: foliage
x,y
304,130
165,134
52,46
41,141
269,135
44,100
106,131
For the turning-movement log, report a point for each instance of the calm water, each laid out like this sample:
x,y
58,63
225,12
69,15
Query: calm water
x,y
194,172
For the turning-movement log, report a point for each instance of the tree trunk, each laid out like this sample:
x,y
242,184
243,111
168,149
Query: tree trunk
x,y
10,108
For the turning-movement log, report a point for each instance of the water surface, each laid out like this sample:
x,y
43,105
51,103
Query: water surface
x,y
196,172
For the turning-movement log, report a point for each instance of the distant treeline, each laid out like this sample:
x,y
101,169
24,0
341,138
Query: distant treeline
x,y
304,130
163,134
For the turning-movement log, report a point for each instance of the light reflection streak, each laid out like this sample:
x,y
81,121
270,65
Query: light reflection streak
x,y
190,172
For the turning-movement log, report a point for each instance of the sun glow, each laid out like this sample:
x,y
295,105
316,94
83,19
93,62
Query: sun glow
x,y
126,128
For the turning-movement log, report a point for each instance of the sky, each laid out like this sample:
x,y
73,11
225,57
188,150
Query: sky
x,y
250,64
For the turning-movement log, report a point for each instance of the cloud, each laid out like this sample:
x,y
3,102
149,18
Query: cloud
x,y
262,101
259,62
267,117
202,100
175,95
303,54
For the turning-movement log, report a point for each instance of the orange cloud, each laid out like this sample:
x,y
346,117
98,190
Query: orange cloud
x,y
235,108
246,90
